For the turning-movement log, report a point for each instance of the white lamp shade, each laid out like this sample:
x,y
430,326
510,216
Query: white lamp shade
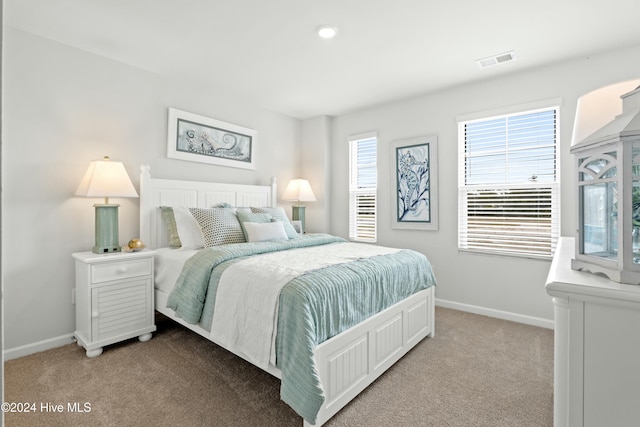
x,y
299,190
105,178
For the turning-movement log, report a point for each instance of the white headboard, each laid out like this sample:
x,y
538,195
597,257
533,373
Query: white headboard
x,y
168,192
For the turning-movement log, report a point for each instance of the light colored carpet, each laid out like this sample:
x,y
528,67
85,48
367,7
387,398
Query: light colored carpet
x,y
476,371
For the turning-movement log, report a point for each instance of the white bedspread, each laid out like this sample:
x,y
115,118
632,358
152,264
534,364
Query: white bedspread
x,y
168,265
245,315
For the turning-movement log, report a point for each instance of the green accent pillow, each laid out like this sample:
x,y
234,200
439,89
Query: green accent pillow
x,y
172,228
278,214
247,216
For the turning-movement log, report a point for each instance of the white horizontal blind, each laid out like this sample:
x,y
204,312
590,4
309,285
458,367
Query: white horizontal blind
x,y
508,189
363,181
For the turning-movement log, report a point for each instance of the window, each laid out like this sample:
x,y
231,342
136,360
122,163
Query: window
x,y
508,191
363,180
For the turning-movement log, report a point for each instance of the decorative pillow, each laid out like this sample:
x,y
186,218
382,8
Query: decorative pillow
x,y
278,214
172,228
265,232
219,226
222,205
248,216
188,229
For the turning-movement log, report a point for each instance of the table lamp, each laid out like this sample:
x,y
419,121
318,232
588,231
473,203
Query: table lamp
x,y
105,178
299,190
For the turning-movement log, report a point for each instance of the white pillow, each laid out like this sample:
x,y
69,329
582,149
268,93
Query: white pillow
x,y
279,214
188,229
265,231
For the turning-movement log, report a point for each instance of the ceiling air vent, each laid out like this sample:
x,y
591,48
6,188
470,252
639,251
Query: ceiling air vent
x,y
496,59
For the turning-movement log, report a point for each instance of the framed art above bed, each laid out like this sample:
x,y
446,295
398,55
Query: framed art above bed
x,y
201,139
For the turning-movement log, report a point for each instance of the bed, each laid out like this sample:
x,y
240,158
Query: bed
x,y
319,374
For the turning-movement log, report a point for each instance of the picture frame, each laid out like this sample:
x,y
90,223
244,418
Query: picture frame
x,y
414,162
297,225
202,139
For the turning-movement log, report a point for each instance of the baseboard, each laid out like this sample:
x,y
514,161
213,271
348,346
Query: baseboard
x,y
14,353
506,315
39,346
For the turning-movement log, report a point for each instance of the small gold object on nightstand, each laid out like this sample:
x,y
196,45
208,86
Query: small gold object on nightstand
x,y
135,245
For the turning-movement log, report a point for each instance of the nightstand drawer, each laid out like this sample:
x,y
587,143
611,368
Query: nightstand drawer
x,y
107,271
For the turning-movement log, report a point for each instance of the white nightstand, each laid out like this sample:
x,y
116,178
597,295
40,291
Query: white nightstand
x,y
114,298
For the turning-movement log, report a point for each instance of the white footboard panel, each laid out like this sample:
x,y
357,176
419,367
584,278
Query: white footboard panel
x,y
349,362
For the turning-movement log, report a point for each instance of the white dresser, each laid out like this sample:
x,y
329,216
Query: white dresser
x,y
597,346
114,298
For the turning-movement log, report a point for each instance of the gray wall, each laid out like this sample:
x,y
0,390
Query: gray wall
x,y
497,285
316,167
65,107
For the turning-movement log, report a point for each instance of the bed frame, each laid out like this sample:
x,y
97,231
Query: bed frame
x,y
348,362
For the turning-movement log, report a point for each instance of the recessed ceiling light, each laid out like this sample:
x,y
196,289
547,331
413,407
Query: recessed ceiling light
x,y
327,31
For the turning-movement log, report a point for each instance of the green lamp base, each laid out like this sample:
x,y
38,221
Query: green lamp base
x,y
297,214
106,229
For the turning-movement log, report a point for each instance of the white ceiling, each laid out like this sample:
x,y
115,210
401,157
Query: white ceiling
x,y
267,53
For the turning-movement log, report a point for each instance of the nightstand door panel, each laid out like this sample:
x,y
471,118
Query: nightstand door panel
x,y
120,308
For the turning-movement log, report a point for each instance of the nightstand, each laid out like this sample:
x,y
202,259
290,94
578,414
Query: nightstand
x,y
114,298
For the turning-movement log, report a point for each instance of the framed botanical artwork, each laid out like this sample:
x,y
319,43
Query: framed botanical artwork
x,y
202,139
415,163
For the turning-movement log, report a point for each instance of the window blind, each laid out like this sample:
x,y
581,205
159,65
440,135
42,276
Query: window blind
x,y
508,198
362,189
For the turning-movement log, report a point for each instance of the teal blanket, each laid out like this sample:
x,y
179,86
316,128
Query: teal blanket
x,y
190,293
312,308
